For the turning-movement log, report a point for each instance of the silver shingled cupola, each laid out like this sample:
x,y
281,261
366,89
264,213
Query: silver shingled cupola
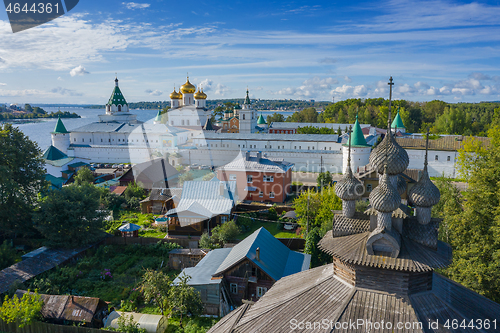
x,y
349,188
424,194
397,158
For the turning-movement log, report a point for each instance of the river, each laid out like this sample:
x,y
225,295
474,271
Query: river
x,y
39,131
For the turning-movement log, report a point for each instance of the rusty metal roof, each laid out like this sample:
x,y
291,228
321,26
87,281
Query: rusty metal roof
x,y
68,307
413,257
316,295
450,142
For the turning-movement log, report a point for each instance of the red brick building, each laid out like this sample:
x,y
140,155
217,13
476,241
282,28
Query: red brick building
x,y
259,178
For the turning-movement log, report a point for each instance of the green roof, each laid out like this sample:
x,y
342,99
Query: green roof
x,y
397,122
358,139
247,99
117,96
53,154
60,129
261,120
56,182
158,116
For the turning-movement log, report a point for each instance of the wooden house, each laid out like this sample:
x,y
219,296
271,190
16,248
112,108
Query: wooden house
x,y
244,272
203,204
161,200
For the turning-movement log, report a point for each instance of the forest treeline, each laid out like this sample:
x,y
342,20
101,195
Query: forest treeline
x,y
440,117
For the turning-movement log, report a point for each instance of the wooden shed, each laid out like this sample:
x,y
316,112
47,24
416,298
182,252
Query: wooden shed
x,y
63,309
182,258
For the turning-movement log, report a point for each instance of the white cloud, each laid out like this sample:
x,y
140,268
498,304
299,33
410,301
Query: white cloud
x,y
135,5
3,84
310,88
206,84
60,79
221,89
64,91
80,70
154,92
347,79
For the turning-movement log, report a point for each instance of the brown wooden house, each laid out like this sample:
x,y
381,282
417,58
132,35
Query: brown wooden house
x,y
161,200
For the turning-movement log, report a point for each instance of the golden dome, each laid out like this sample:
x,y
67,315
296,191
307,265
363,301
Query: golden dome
x,y
200,95
188,88
175,95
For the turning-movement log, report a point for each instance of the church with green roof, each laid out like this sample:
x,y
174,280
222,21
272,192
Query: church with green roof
x,y
360,150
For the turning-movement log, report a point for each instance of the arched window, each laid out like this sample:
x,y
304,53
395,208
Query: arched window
x,y
243,116
369,188
119,107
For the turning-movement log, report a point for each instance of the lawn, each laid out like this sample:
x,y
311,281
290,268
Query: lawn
x,y
144,220
248,227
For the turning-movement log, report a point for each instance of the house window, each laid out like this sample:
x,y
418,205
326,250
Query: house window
x,y
249,178
261,194
295,147
271,194
330,148
243,117
187,122
268,179
448,159
436,158
234,288
261,291
83,140
101,140
182,122
223,219
232,177
369,188
118,140
325,148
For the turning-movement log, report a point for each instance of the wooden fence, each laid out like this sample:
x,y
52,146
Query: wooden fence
x,y
39,327
184,242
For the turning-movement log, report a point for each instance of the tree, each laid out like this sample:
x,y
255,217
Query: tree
x,y
324,179
110,200
155,287
185,299
187,176
7,255
314,209
22,176
84,175
207,242
449,206
225,232
275,117
22,311
475,232
133,194
70,217
318,257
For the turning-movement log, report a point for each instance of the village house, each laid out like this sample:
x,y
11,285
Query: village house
x,y
226,277
161,200
259,178
203,204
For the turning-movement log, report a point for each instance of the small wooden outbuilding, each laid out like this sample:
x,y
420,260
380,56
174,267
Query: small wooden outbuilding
x,y
130,230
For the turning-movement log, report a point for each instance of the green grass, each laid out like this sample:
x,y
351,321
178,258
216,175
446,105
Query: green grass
x,y
144,220
269,226
126,265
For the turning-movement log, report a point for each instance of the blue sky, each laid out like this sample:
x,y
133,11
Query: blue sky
x,y
446,50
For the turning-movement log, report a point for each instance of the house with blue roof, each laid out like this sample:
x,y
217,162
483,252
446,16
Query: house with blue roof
x,y
226,277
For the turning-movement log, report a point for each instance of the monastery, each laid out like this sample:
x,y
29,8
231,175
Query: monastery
x,y
186,135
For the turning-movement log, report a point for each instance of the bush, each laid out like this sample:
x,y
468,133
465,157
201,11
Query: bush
x,y
225,232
